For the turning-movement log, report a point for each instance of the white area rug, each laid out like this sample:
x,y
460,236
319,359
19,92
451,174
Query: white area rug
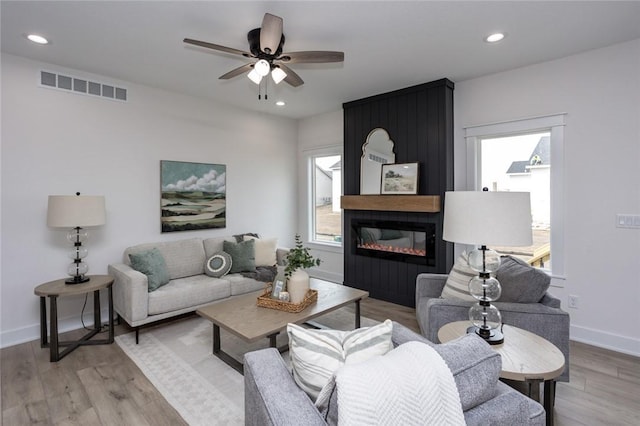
x,y
178,359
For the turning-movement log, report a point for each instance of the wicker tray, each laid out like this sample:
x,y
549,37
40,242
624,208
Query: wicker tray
x,y
266,301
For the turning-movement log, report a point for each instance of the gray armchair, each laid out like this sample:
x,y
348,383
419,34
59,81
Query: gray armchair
x,y
544,318
273,398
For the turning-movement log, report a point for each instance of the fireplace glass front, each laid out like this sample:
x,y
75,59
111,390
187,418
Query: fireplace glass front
x,y
400,241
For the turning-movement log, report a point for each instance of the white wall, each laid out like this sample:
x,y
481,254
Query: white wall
x,y
315,135
600,92
59,143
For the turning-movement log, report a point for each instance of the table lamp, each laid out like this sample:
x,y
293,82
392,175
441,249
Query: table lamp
x,y
484,218
76,212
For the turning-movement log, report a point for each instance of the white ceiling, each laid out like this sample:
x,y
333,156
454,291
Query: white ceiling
x,y
388,45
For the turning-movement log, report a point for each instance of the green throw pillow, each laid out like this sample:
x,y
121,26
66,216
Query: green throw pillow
x,y
152,264
243,255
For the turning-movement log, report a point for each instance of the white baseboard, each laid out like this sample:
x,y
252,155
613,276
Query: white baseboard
x,y
604,340
32,332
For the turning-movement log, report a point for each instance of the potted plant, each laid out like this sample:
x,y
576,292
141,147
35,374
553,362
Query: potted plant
x,y
297,261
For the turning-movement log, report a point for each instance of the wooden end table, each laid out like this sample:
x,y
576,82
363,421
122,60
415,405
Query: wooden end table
x,y
526,357
58,288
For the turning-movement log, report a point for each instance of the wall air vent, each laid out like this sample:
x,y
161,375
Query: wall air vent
x,y
82,86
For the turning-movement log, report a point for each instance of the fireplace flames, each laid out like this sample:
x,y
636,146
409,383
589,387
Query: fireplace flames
x,y
393,249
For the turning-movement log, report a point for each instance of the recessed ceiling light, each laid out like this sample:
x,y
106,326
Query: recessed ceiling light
x,y
280,103
37,39
495,37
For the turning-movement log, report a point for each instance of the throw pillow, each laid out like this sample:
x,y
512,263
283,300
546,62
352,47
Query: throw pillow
x,y
218,265
457,284
243,257
265,249
317,354
240,237
152,264
521,283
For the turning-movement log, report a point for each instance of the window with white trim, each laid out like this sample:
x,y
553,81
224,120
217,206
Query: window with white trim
x,y
525,155
325,215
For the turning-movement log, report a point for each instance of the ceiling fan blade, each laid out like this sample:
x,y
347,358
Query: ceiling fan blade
x,y
217,47
270,33
237,71
292,78
312,56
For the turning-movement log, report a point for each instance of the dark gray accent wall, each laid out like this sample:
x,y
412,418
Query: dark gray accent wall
x,y
419,120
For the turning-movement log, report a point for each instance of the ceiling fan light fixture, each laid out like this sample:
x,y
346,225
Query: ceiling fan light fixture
x,y
278,75
254,76
262,67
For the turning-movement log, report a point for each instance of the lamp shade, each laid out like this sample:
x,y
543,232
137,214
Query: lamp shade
x,y
278,75
487,218
71,211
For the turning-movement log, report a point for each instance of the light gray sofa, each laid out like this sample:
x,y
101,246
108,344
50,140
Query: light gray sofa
x,y
273,398
544,318
189,288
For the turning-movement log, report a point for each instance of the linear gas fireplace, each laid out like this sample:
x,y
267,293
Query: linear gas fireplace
x,y
393,240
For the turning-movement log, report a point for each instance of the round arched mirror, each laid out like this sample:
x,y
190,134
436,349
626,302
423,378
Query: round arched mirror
x,y
376,151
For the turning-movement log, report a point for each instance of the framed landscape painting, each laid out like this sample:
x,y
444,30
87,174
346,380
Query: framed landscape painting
x,y
193,196
399,178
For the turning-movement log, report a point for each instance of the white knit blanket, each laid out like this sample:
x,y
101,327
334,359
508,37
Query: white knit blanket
x,y
410,385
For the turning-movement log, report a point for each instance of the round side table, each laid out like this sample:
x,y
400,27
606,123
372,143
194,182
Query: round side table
x,y
526,357
58,288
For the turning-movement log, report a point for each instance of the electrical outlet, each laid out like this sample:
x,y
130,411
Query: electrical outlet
x,y
574,301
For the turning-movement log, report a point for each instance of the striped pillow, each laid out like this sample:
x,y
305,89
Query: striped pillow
x,y
317,354
457,285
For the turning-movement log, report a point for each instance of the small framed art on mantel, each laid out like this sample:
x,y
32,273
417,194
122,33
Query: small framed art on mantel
x,y
399,178
193,196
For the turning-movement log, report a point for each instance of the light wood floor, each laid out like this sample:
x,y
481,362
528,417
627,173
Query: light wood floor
x,y
100,385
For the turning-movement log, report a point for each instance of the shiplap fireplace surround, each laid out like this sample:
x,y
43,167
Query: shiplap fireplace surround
x,y
419,120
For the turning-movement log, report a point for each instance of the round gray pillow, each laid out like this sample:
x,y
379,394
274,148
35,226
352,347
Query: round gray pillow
x,y
218,265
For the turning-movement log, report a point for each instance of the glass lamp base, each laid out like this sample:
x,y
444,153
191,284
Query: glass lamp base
x,y
491,336
77,279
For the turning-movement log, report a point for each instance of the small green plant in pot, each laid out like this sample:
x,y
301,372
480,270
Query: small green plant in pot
x,y
297,261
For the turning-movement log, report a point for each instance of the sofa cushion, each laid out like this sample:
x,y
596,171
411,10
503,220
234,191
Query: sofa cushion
x,y
316,354
265,250
184,258
457,284
218,265
521,283
242,255
188,292
241,284
152,264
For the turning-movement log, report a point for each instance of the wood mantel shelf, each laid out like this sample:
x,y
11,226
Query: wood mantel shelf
x,y
392,203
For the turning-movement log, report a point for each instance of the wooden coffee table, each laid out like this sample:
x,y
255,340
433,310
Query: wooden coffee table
x,y
526,357
242,316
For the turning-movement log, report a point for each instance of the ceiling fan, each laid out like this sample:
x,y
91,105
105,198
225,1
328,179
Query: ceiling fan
x,y
265,45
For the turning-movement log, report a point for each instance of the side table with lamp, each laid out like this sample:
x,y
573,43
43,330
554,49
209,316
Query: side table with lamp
x,y
74,212
59,288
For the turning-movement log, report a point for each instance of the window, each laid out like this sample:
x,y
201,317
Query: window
x,y
525,155
522,162
326,188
